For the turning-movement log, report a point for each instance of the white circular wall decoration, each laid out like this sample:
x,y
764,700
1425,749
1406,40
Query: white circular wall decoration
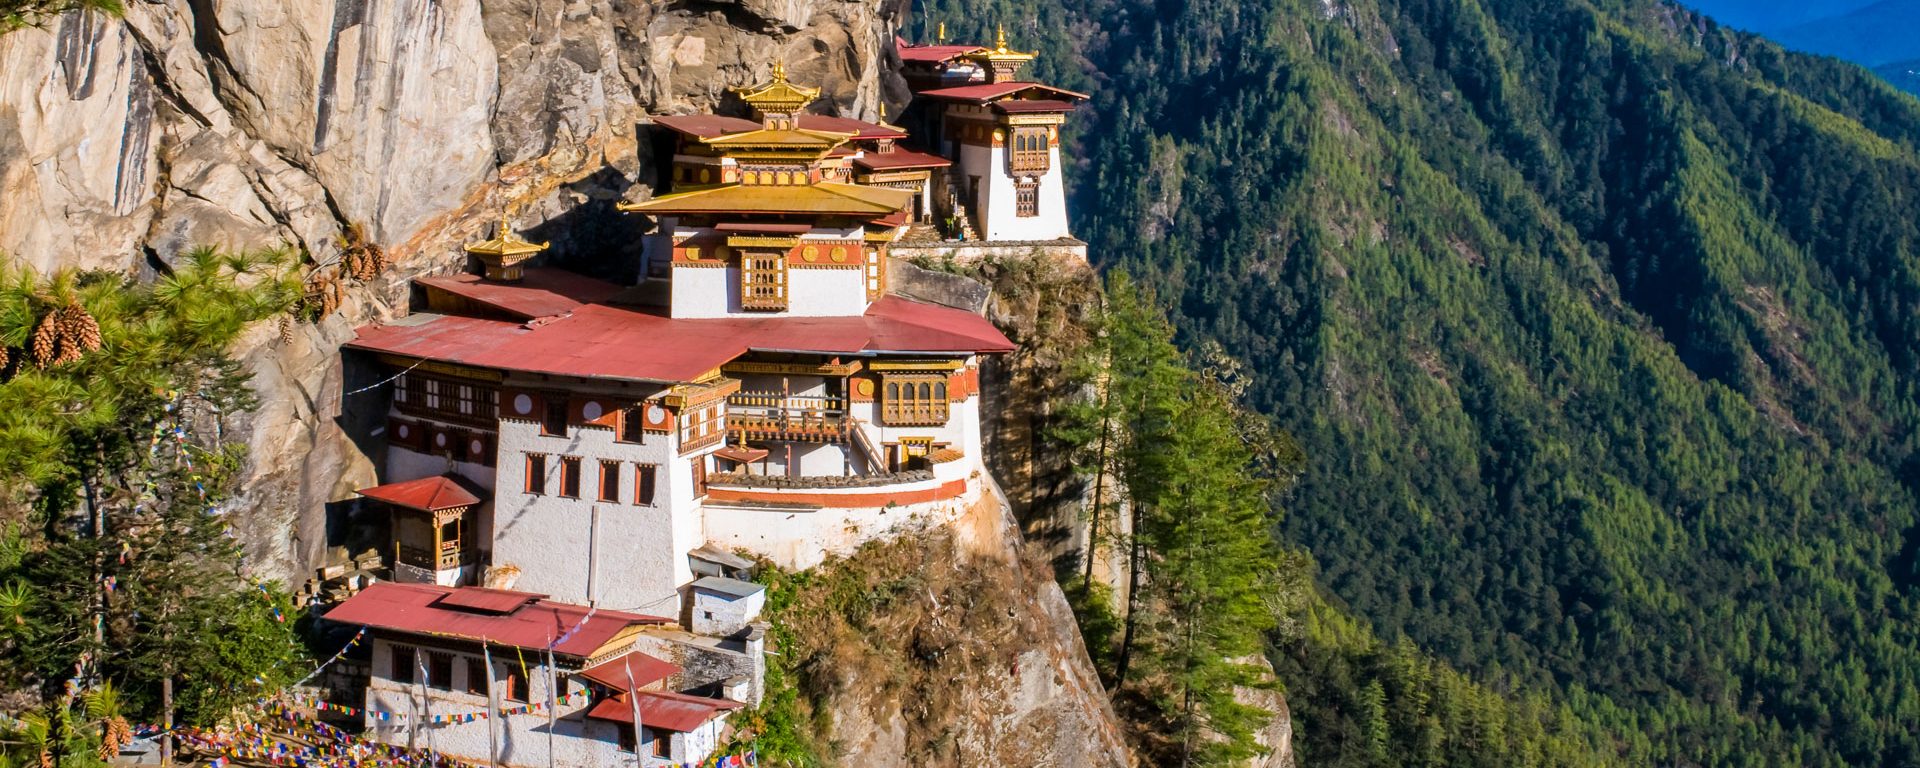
x,y
404,430
656,415
476,448
591,411
440,440
522,404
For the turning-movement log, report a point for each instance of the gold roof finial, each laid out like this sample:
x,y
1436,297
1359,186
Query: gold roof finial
x,y
941,36
776,96
502,255
1000,43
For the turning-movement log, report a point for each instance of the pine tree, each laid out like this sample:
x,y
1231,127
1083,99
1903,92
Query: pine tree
x,y
129,575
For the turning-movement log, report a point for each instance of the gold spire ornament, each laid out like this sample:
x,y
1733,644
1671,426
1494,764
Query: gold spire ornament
x,y
503,255
777,101
1001,62
941,36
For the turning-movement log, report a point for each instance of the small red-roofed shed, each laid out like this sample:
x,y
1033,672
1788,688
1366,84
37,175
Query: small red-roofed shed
x,y
427,494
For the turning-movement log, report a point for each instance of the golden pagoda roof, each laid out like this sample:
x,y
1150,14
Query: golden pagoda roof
x,y
1000,51
779,138
822,198
505,243
777,95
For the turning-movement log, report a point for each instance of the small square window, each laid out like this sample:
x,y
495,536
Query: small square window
x,y
537,474
610,481
570,476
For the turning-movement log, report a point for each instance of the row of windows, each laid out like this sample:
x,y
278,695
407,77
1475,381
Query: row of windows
x,y
447,399
645,479
771,178
435,670
630,426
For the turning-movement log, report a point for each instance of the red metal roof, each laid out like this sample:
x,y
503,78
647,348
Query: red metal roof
x,y
639,344
677,712
427,494
982,93
483,600
861,129
935,54
541,293
898,159
421,609
706,126
646,670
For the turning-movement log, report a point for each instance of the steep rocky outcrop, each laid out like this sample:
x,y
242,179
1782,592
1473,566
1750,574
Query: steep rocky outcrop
x,y
951,649
247,123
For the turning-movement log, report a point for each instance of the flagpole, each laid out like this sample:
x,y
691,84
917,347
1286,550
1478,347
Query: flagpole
x,y
493,737
633,698
553,704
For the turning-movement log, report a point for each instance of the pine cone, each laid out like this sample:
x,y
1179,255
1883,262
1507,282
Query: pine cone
x,y
46,759
44,345
286,331
360,263
6,357
331,297
79,329
380,258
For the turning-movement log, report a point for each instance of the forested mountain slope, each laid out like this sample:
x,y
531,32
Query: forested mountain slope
x,y
1597,323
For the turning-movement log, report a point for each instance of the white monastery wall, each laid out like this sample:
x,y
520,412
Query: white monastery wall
x,y
405,464
635,556
799,538
709,292
962,429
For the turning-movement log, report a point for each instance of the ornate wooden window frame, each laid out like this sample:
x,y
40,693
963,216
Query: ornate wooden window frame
x,y
763,281
914,399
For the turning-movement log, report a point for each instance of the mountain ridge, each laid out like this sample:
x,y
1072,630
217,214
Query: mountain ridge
x,y
1591,319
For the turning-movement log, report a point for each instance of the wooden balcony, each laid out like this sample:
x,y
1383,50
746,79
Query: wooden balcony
x,y
774,416
450,556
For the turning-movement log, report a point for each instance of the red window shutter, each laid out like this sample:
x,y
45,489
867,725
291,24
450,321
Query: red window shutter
x,y
962,384
521,405
407,434
443,440
480,448
659,418
595,411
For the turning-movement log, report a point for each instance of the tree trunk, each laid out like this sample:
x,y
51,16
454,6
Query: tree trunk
x,y
166,717
1133,590
1099,494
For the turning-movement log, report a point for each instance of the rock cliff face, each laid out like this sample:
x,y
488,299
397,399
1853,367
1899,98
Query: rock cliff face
x,y
952,649
250,123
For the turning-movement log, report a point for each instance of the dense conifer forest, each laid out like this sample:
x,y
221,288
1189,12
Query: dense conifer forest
x,y
1596,323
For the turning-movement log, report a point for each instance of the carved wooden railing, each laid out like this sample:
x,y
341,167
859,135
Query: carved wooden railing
x,y
774,416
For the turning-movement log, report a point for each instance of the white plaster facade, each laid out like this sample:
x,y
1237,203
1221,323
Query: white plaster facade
x,y
799,535
709,292
994,203
613,553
